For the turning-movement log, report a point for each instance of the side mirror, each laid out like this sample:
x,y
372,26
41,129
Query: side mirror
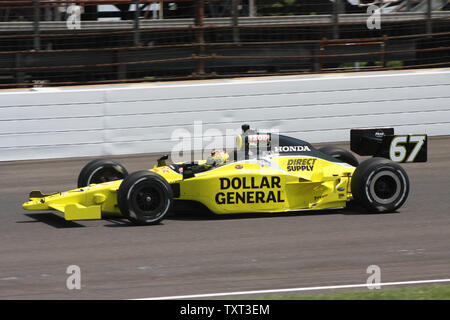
x,y
162,160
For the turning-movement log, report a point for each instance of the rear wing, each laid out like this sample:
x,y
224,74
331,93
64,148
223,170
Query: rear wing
x,y
381,142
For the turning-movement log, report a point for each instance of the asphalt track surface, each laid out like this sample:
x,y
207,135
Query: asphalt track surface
x,y
193,253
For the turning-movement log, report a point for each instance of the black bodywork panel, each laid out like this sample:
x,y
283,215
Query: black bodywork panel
x,y
377,142
280,144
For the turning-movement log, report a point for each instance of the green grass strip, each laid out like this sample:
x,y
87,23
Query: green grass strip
x,y
433,292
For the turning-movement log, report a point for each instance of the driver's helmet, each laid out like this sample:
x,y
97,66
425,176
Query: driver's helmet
x,y
217,158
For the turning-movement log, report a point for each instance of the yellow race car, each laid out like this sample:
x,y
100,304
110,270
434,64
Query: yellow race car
x,y
265,172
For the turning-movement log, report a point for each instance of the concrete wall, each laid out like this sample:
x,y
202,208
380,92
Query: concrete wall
x,y
109,120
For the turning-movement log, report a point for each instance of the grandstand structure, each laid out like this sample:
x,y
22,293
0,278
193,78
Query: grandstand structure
x,y
67,42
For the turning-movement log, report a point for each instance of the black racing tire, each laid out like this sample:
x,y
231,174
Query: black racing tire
x,y
100,171
380,185
144,197
340,154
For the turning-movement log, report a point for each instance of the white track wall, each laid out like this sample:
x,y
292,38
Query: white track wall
x,y
111,120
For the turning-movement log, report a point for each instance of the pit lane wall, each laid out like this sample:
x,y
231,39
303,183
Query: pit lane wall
x,y
128,119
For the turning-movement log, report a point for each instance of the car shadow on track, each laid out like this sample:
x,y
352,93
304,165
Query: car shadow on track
x,y
212,216
197,211
205,215
52,220
190,214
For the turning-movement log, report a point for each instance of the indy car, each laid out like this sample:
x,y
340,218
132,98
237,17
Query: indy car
x,y
265,172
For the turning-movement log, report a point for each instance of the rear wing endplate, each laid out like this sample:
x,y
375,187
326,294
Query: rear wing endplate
x,y
381,142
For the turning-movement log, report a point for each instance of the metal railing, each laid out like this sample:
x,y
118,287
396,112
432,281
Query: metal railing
x,y
202,50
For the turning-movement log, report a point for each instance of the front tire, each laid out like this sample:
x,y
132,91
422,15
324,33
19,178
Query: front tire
x,y
380,185
144,197
100,171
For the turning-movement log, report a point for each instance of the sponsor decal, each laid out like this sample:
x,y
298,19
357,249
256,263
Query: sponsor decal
x,y
251,190
379,134
291,148
239,166
256,138
165,169
302,164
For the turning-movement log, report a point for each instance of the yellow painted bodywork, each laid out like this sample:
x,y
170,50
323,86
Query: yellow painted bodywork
x,y
79,204
314,190
275,184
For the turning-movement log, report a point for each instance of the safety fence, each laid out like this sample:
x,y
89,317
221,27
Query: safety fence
x,y
39,47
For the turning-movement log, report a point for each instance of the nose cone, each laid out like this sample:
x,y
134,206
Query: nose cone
x,y
35,204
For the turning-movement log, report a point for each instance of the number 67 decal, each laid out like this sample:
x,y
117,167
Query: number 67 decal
x,y
408,148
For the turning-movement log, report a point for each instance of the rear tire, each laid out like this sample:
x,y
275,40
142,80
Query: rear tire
x,y
144,197
340,154
380,185
100,171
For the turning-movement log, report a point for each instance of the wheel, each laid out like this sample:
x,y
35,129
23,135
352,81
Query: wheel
x,y
380,185
340,154
99,171
144,197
